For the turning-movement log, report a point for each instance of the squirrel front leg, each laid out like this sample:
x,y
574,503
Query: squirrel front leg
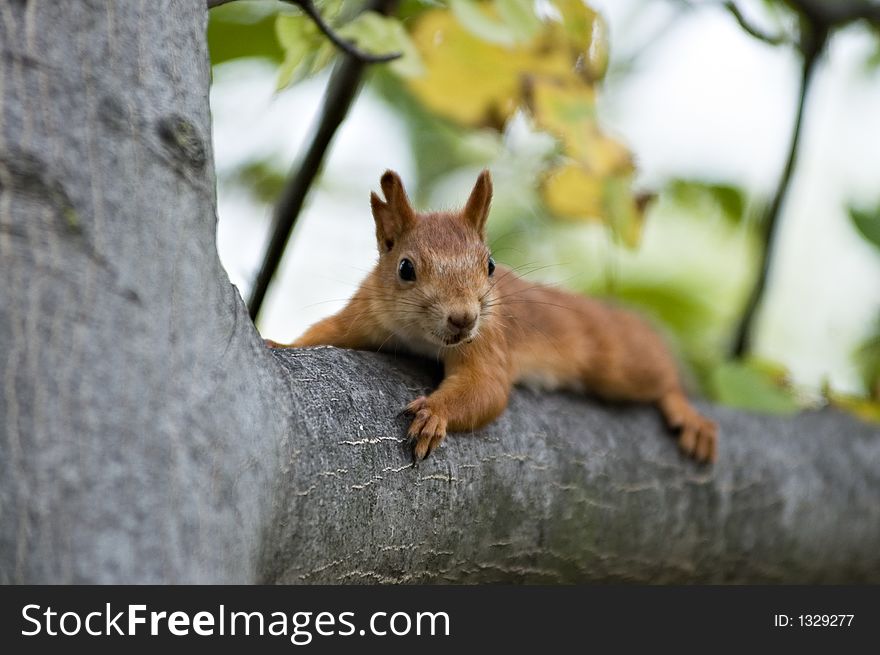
x,y
473,393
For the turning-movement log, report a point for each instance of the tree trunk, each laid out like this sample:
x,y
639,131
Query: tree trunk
x,y
146,435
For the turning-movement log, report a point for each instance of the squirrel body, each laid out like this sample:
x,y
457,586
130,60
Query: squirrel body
x,y
436,291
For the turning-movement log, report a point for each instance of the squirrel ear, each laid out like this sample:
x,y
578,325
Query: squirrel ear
x,y
477,209
394,216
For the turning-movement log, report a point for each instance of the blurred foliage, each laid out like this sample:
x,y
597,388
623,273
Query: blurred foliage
x,y
243,29
475,77
701,195
306,50
438,145
485,61
872,63
867,409
476,81
867,355
262,179
754,385
867,222
868,360
378,34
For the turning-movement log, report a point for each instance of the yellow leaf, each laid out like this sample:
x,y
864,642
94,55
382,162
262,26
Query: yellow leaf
x,y
574,193
865,408
608,156
597,55
624,214
482,81
577,20
474,82
474,18
567,110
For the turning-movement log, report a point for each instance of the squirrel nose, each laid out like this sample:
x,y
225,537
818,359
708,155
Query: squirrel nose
x,y
462,320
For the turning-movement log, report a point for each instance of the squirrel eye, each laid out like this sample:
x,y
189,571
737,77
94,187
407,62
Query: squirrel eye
x,y
491,266
406,270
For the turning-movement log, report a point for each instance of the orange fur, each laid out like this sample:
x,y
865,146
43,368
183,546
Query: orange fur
x,y
492,332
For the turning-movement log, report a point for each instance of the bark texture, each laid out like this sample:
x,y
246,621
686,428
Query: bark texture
x,y
147,436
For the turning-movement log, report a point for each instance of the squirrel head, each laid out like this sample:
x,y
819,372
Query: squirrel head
x,y
435,272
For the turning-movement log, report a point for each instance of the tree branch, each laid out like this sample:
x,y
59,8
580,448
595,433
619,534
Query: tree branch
x,y
561,489
341,91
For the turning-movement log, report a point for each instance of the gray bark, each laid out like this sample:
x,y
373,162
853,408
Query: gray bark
x,y
147,436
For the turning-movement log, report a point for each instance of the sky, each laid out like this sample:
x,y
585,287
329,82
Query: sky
x,y
704,100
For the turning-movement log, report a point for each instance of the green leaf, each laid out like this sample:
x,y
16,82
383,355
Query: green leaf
x,y
237,30
409,9
520,17
478,23
263,180
622,213
381,35
306,50
322,57
867,357
296,36
685,317
746,386
681,312
872,63
700,195
292,29
868,223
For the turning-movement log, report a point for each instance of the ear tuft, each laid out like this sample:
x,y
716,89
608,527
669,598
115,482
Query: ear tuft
x,y
390,182
477,209
394,216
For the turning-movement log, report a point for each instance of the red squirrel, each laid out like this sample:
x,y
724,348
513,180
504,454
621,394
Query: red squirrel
x,y
437,291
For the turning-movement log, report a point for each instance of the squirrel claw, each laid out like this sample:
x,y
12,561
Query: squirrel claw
x,y
699,439
413,408
427,430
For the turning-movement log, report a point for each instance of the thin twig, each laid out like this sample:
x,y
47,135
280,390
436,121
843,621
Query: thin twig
x,y
341,92
744,23
751,29
349,48
812,47
838,13
308,8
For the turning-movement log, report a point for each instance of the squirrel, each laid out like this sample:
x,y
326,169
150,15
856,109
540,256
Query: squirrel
x,y
437,291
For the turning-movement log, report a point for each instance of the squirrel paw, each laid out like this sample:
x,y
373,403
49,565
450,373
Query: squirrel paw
x,y
699,438
427,430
